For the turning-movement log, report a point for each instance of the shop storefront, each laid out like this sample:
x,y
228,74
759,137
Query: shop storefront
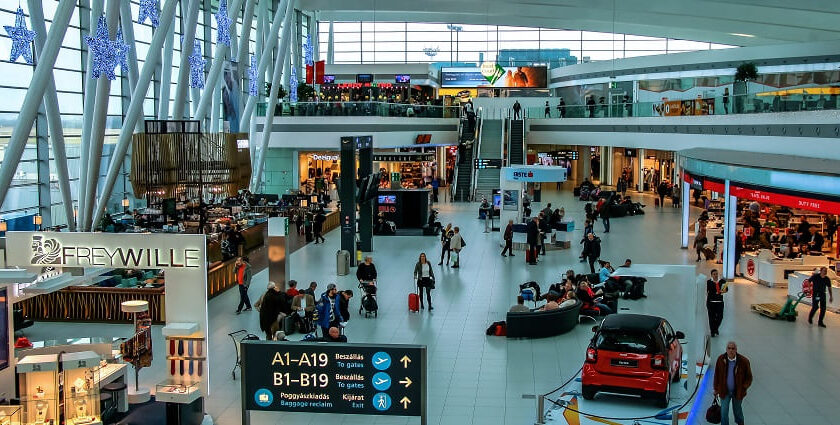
x,y
318,170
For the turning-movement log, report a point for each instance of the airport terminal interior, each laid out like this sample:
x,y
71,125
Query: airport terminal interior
x,y
497,212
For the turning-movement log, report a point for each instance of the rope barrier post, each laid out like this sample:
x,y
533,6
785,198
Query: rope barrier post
x,y
540,410
675,417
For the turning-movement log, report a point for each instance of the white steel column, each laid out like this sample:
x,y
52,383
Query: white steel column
x,y
214,78
265,58
96,8
128,36
215,90
730,208
285,42
135,107
331,46
314,29
56,133
293,51
97,128
640,178
181,89
166,74
243,59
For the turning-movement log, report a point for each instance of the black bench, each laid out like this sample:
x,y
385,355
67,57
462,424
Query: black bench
x,y
541,324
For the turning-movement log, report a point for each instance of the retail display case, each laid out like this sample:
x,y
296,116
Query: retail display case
x,y
10,415
81,388
177,391
38,388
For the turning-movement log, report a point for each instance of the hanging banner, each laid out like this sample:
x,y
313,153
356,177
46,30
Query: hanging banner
x,y
792,201
316,73
230,97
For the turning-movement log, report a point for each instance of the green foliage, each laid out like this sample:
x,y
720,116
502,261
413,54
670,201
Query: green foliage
x,y
746,71
306,92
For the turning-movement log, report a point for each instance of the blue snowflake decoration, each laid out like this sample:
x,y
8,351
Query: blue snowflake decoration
x,y
149,9
197,63
293,86
105,52
223,24
307,50
252,76
21,38
122,51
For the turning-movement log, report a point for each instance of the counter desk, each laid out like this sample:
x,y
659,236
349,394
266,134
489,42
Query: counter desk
x,y
764,268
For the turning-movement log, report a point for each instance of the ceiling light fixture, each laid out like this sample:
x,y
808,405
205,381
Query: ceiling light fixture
x,y
742,34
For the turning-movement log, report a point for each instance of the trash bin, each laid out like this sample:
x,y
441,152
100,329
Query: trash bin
x,y
342,261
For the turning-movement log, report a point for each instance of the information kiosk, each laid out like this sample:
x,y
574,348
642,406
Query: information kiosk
x,y
512,183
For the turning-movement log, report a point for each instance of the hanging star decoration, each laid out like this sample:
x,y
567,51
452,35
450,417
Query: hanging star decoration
x,y
122,51
252,76
105,52
149,9
197,63
21,38
293,86
223,24
307,51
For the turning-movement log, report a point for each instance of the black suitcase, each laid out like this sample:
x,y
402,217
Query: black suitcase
x,y
577,192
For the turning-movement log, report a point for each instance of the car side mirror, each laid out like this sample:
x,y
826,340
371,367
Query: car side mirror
x,y
679,335
595,328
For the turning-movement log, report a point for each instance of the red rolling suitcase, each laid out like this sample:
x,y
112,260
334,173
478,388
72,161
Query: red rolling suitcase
x,y
529,258
413,302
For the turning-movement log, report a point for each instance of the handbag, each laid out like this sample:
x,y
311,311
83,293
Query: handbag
x,y
713,412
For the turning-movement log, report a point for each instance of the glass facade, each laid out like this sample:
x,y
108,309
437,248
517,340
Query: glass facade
x,y
409,42
71,79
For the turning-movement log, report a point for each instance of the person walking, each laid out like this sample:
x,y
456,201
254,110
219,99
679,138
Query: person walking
x,y
318,226
591,250
424,275
516,110
590,105
533,239
820,282
732,378
329,312
561,108
547,113
242,274
508,237
445,244
621,186
270,307
715,288
604,212
457,244
700,241
662,190
726,100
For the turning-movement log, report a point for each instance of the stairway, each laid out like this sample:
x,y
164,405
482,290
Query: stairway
x,y
463,177
490,147
516,148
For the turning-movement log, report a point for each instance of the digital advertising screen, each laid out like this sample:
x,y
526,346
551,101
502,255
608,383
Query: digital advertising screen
x,y
329,79
498,77
402,78
387,199
364,78
338,378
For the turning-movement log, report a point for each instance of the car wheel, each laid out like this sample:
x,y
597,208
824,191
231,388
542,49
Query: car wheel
x,y
588,392
664,398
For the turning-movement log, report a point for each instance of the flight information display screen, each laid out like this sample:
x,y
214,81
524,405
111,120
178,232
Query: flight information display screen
x,y
334,378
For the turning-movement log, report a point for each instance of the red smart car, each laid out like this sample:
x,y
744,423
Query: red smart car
x,y
633,354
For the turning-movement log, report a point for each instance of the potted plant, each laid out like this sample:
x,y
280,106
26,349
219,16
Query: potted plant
x,y
745,72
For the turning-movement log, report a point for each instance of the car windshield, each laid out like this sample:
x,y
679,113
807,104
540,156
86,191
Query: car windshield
x,y
624,341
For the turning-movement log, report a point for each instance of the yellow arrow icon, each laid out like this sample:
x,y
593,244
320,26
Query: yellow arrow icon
x,y
405,361
406,382
405,401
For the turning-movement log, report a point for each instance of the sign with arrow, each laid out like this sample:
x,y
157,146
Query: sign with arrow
x,y
333,378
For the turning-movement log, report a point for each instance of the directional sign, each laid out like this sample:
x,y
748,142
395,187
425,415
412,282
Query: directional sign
x,y
334,378
487,163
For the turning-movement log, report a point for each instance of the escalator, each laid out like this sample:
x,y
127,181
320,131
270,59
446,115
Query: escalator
x,y
516,142
464,167
490,141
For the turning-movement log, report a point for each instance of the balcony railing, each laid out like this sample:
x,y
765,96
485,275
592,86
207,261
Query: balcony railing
x,y
361,109
742,104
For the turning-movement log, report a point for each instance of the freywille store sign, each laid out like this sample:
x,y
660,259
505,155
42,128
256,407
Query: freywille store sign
x,y
105,250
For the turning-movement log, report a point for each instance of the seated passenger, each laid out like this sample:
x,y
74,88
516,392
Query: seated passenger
x,y
605,272
590,303
551,304
292,291
520,306
334,335
569,300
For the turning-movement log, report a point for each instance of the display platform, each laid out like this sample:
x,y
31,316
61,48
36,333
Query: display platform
x,y
570,408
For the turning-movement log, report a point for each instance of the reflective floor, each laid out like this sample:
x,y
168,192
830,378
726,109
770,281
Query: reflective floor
x,y
476,379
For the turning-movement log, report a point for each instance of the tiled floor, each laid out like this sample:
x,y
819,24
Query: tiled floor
x,y
475,379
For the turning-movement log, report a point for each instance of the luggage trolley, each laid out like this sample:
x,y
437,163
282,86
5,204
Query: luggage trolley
x,y
238,337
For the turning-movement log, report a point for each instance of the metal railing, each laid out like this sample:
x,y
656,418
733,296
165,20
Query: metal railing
x,y
361,109
721,105
476,149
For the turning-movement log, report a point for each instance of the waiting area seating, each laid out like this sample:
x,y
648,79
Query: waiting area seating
x,y
541,324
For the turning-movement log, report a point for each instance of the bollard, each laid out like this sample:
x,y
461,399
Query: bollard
x,y
540,410
675,417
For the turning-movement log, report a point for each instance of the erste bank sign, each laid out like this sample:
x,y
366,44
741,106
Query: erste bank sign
x,y
537,173
123,250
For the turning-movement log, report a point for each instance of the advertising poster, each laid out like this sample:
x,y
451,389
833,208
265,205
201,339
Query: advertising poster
x,y
503,77
230,96
510,200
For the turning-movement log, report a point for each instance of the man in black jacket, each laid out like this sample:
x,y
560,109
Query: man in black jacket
x,y
821,282
533,240
591,250
318,227
508,236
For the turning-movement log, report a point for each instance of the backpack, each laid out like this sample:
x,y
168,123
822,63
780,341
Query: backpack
x,y
534,285
637,290
497,328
